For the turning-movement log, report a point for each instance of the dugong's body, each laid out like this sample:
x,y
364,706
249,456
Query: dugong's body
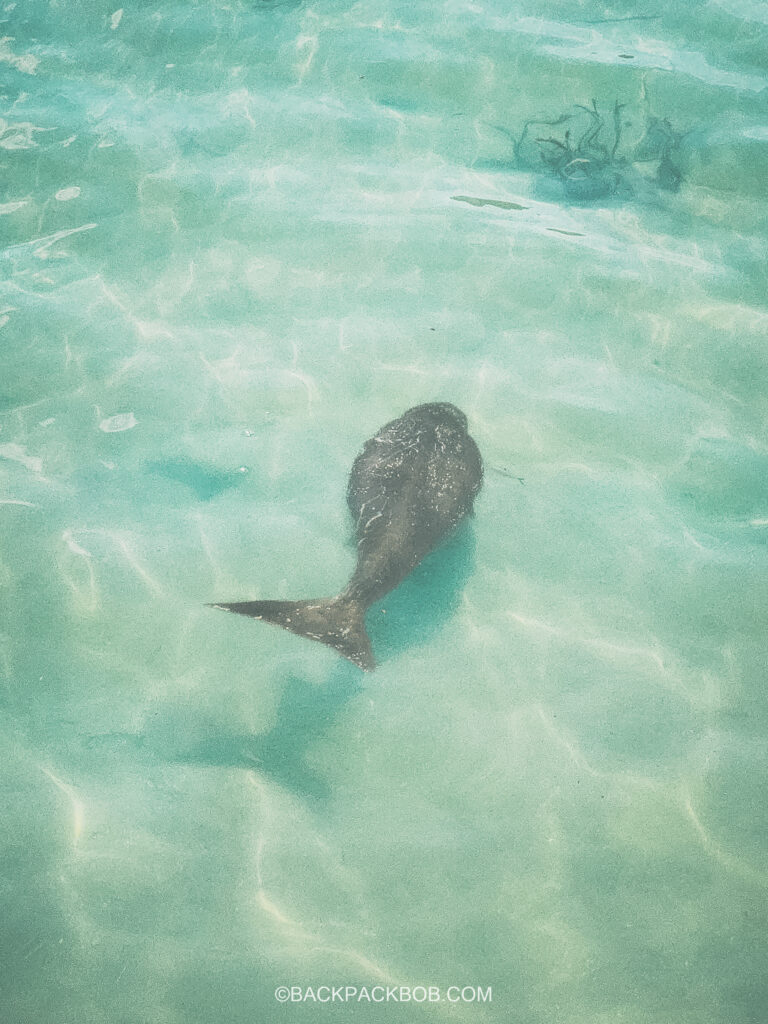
x,y
409,487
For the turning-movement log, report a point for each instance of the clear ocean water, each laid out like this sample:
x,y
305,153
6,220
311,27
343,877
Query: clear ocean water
x,y
237,238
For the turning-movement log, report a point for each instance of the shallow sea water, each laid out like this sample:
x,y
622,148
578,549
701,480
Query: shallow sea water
x,y
238,238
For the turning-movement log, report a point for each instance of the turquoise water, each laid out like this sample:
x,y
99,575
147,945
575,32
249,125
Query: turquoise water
x,y
238,238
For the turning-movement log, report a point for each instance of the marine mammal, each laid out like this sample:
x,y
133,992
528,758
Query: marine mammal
x,y
412,483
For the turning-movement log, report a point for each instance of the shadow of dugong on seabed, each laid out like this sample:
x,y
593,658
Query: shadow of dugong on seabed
x,y
411,485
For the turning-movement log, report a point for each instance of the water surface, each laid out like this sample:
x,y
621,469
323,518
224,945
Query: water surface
x,y
237,239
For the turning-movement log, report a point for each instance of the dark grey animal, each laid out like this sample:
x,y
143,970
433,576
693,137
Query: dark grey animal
x,y
409,487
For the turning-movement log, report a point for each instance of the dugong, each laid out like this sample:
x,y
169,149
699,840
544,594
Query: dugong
x,y
412,483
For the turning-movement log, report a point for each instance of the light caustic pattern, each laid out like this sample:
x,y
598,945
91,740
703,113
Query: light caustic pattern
x,y
235,241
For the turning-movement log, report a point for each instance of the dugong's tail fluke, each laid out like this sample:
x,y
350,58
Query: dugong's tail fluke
x,y
337,621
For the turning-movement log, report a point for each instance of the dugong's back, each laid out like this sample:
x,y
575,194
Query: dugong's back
x,y
411,484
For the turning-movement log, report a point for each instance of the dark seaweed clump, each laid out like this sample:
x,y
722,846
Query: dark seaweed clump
x,y
585,150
